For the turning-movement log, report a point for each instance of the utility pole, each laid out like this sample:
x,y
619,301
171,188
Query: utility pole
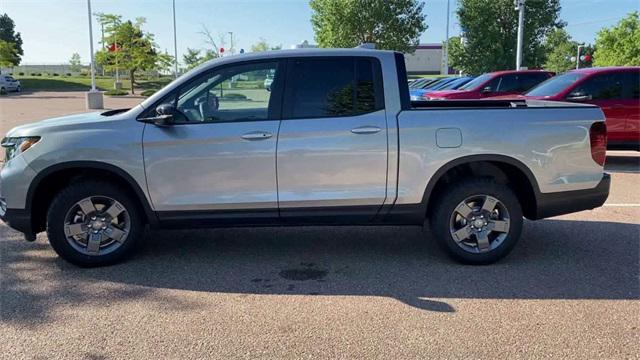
x,y
520,7
445,53
175,42
231,43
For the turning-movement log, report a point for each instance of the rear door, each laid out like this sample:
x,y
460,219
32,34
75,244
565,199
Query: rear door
x,y
606,90
332,144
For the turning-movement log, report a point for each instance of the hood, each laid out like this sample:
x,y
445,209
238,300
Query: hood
x,y
90,120
513,97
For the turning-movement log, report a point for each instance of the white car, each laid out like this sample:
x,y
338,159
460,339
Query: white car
x,y
8,83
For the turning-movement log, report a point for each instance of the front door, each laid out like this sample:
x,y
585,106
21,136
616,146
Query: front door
x,y
220,153
332,147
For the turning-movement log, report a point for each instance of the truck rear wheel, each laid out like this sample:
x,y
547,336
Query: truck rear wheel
x,y
477,221
93,223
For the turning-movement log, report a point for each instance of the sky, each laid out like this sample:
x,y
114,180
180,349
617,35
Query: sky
x,y
52,30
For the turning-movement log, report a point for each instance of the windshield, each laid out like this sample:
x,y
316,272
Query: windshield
x,y
456,84
555,85
476,82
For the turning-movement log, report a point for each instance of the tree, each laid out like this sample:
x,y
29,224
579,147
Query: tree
x,y
193,58
490,34
6,53
559,48
263,45
620,45
75,65
10,42
214,46
390,24
130,48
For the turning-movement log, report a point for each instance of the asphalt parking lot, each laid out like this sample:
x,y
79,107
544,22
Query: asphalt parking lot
x,y
570,289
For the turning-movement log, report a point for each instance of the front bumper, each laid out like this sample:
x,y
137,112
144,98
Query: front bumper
x,y
18,219
565,202
13,175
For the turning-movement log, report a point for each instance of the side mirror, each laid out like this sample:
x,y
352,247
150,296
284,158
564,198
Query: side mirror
x,y
486,90
164,116
579,96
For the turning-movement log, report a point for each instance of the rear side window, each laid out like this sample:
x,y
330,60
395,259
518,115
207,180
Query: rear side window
x,y
602,87
633,85
528,81
333,87
520,82
508,83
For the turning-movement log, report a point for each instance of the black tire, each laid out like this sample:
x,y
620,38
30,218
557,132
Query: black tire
x,y
68,198
3,91
445,206
18,89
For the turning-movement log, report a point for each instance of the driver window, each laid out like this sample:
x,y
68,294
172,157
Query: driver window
x,y
236,93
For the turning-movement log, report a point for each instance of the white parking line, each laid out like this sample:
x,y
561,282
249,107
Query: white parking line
x,y
623,205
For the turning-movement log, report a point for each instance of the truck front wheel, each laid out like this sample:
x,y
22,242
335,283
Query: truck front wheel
x,y
93,223
477,221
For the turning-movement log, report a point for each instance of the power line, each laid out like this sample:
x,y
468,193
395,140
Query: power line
x,y
594,21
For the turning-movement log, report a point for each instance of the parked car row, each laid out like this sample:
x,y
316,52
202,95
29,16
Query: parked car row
x,y
616,90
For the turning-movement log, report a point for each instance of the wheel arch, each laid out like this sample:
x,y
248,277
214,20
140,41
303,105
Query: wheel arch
x,y
504,168
51,180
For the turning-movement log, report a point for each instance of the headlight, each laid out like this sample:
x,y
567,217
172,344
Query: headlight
x,y
17,145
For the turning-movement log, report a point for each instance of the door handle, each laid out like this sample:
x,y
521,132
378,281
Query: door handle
x,y
617,106
257,135
366,130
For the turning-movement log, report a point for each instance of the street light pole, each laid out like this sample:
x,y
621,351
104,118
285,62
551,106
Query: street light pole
x,y
102,30
231,42
520,7
93,97
175,42
445,54
93,69
578,57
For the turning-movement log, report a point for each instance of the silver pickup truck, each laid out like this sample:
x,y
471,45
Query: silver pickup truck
x,y
333,140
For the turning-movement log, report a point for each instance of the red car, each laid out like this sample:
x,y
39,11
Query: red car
x,y
616,90
497,83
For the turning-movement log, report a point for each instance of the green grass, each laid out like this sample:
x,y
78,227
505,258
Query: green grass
x,y
114,92
82,83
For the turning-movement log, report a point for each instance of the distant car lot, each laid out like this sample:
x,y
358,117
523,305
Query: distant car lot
x,y
9,84
336,292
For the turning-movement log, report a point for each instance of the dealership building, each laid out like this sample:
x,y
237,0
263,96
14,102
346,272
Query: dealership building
x,y
427,59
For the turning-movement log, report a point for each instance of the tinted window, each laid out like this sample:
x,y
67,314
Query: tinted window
x,y
329,87
471,85
492,85
555,85
520,82
601,87
527,81
508,83
234,93
633,85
